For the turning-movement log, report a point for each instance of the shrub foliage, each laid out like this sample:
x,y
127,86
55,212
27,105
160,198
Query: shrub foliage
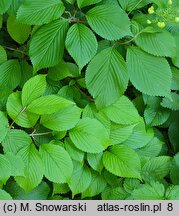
x,y
89,103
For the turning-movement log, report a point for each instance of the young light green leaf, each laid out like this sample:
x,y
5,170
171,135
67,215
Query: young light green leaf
x,y
5,169
111,23
122,112
107,77
47,44
152,191
3,126
4,5
18,32
84,3
81,43
38,12
62,120
10,74
81,178
122,161
4,195
149,74
33,89
15,140
34,168
89,135
57,162
48,104
18,113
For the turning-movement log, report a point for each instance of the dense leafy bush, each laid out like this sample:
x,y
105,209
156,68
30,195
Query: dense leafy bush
x,y
89,103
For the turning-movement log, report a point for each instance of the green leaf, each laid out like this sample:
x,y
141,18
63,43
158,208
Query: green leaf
x,y
104,20
156,168
17,164
153,191
74,152
16,140
10,74
84,3
107,77
81,43
96,186
175,59
125,106
39,193
3,55
62,120
173,133
174,171
15,6
140,136
4,5
114,193
18,32
62,188
89,135
26,72
47,44
4,126
122,161
5,168
81,179
38,12
4,94
4,195
129,5
48,104
131,184
70,1
175,78
152,149
171,104
57,162
63,70
172,192
149,74
120,133
33,89
155,114
95,161
34,168
18,113
158,43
